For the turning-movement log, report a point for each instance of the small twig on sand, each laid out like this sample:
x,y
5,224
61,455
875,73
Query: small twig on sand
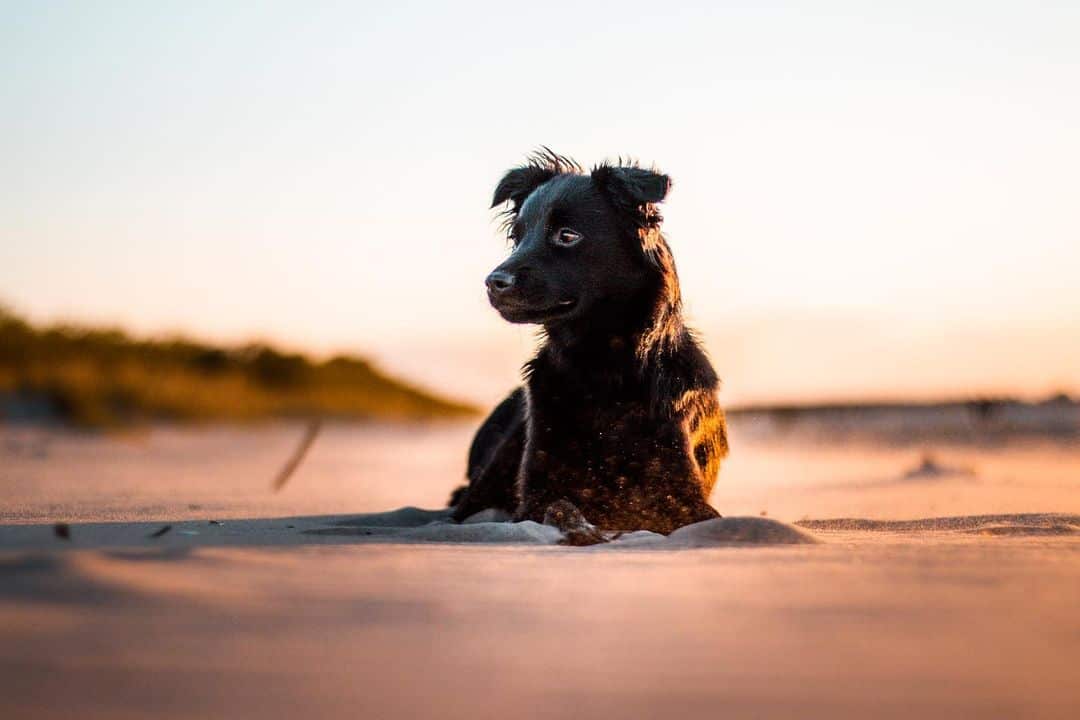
x,y
298,455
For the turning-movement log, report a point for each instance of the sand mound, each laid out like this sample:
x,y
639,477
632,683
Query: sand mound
x,y
448,532
415,525
406,517
742,530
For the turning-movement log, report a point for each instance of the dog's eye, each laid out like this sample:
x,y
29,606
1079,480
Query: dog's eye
x,y
567,237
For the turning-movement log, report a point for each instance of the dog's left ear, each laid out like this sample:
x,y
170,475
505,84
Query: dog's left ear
x,y
519,183
631,185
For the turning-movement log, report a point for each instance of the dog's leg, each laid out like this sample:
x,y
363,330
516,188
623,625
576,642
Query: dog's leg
x,y
704,511
494,459
496,486
576,530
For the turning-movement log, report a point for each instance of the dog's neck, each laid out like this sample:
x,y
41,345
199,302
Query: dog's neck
x,y
638,330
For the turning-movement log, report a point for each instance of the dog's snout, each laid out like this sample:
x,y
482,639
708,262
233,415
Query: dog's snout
x,y
500,281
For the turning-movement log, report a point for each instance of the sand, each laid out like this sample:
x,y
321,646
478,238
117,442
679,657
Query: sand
x,y
264,613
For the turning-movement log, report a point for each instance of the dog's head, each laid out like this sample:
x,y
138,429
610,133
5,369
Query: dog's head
x,y
582,243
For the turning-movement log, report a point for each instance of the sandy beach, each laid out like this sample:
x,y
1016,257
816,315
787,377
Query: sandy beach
x,y
312,602
268,271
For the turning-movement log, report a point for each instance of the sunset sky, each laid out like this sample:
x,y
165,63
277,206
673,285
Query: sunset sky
x,y
868,201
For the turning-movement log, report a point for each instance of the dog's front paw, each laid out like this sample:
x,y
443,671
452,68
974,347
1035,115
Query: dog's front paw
x,y
576,530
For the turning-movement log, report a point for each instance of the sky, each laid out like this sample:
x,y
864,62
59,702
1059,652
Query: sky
x,y
870,200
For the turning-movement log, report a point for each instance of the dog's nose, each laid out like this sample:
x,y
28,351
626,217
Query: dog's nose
x,y
499,281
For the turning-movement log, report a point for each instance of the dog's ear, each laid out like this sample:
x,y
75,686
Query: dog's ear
x,y
519,183
631,185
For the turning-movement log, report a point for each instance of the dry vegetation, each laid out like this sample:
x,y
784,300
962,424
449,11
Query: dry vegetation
x,y
101,378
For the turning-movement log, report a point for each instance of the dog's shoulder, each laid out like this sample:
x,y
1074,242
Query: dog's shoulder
x,y
682,372
693,365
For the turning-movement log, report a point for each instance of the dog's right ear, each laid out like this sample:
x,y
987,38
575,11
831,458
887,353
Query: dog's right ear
x,y
632,185
519,183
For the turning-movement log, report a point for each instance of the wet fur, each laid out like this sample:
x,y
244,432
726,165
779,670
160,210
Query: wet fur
x,y
619,414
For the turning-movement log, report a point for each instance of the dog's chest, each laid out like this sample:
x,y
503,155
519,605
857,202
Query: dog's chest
x,y
597,433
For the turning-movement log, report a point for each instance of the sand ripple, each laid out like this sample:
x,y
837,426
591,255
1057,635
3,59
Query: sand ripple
x,y
1018,524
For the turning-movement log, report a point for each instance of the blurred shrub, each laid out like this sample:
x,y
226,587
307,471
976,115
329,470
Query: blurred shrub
x,y
98,378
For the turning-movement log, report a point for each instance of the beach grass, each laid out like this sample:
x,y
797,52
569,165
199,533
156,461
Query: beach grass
x,y
99,378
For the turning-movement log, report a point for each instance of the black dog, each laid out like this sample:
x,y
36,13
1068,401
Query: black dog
x,y
619,415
